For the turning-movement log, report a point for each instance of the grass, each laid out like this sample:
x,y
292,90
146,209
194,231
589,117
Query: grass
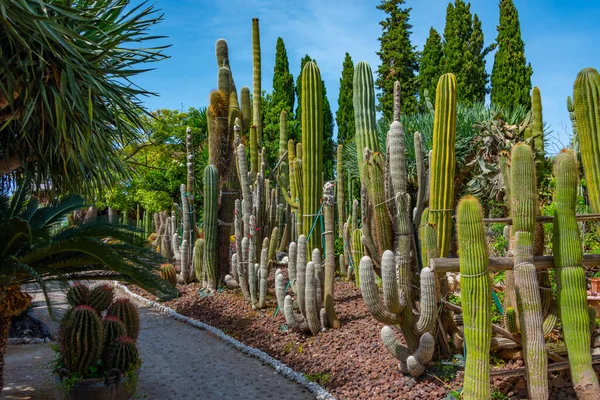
x,y
319,377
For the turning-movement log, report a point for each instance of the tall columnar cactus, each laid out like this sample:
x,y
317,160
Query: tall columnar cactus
x,y
570,278
123,354
357,253
341,195
381,233
81,339
523,211
128,314
537,130
187,273
476,298
421,179
329,218
586,98
100,297
256,80
312,150
198,259
284,173
363,99
443,162
211,198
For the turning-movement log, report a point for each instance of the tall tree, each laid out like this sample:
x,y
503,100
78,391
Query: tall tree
x,y
329,151
431,66
511,75
344,116
477,77
399,60
282,98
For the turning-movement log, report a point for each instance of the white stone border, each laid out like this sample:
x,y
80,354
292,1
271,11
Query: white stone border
x,y
316,389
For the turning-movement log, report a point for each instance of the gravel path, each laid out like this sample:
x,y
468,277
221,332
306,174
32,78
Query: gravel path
x,y
178,362
182,362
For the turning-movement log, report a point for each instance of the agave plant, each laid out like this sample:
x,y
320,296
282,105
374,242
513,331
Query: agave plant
x,y
34,248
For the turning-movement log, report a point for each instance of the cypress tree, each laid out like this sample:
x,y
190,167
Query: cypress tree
x,y
344,117
282,98
431,66
477,77
511,75
399,60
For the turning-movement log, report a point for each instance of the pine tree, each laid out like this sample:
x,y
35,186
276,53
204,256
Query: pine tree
x,y
344,116
399,60
511,75
431,67
282,98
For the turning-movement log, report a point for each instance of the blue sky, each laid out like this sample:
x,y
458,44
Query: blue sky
x,y
561,38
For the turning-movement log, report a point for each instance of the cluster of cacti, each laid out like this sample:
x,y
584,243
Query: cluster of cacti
x,y
85,337
307,313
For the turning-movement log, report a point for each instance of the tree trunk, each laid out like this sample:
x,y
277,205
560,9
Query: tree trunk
x,y
91,215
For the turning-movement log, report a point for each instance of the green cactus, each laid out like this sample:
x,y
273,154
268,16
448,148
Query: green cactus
x,y
113,328
312,150
128,314
211,198
523,211
187,271
246,109
421,180
357,253
284,178
341,196
78,295
586,98
510,320
476,297
273,244
374,181
256,80
81,339
198,259
443,162
100,297
570,278
168,273
123,355
538,126
254,166
363,99
428,239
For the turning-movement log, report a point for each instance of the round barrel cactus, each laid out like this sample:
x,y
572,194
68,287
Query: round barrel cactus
x,y
128,314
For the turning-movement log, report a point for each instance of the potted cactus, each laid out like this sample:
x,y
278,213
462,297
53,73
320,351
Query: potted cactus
x,y
97,352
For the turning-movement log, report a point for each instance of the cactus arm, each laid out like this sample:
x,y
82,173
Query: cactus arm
x,y
264,274
570,278
421,179
357,254
292,253
311,299
428,314
476,297
301,273
391,294
280,289
294,321
370,294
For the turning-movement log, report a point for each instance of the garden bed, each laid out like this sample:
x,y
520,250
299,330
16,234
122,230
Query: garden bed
x,y
351,362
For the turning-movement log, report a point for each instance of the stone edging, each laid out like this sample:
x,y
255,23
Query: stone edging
x,y
281,368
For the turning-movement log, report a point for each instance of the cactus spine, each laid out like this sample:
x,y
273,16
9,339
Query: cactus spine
x,y
312,150
586,98
443,161
476,298
363,99
211,198
570,278
523,210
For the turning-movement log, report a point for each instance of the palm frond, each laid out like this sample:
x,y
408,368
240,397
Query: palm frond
x,y
14,234
47,216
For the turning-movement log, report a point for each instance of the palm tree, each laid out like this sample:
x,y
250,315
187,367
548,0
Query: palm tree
x,y
68,104
34,248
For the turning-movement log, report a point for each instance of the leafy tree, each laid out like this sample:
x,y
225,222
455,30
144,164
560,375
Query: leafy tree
x,y
67,102
431,66
399,60
344,116
511,75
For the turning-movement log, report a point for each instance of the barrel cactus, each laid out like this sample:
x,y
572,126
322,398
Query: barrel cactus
x,y
101,297
78,295
168,273
123,354
81,339
127,312
113,329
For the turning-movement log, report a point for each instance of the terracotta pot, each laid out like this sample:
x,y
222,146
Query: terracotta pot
x,y
595,285
114,386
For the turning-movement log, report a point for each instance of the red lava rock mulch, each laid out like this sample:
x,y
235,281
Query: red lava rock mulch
x,y
350,362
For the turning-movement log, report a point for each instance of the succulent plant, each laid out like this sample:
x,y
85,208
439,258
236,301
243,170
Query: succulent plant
x,y
124,309
168,273
113,329
123,354
78,295
100,297
81,339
